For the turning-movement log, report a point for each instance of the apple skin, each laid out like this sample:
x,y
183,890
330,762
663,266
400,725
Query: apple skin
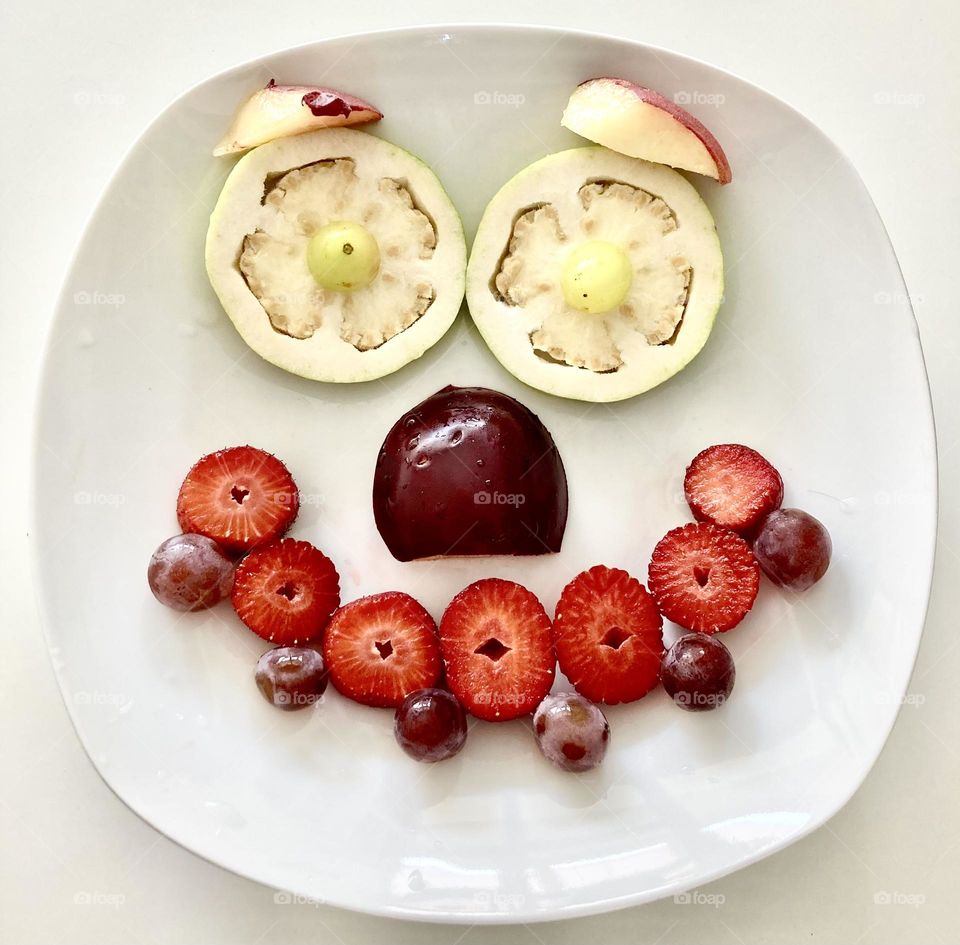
x,y
469,471
277,111
653,98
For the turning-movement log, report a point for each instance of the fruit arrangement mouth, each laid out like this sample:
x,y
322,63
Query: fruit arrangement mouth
x,y
496,650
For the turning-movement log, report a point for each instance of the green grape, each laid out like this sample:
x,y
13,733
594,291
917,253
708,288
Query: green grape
x,y
596,277
343,256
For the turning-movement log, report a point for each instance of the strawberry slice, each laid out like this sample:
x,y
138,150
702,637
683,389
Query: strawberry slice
x,y
496,643
381,648
240,497
732,486
286,591
608,635
704,577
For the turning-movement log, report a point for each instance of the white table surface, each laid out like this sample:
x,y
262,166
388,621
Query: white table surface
x,y
82,81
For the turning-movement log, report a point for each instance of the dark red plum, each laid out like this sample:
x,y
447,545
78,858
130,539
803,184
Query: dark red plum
x,y
469,471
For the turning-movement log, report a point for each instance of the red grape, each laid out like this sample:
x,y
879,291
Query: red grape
x,y
190,572
571,731
698,672
291,677
793,548
430,725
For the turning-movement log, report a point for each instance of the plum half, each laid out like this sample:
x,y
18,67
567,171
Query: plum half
x,y
469,471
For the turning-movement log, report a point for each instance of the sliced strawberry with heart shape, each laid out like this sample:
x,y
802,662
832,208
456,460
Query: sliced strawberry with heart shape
x,y
704,577
240,497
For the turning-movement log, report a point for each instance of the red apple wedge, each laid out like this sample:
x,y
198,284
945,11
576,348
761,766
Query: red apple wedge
x,y
641,123
278,111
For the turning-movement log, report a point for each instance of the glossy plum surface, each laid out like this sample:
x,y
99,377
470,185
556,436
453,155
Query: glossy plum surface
x,y
430,725
469,471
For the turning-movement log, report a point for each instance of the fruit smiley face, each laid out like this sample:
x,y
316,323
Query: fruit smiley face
x,y
595,275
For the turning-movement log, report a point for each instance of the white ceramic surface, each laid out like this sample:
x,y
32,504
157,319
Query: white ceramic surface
x,y
815,361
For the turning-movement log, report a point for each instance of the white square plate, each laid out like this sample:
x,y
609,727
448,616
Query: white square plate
x,y
815,361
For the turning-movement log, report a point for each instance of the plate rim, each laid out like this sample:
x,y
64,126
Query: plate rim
x,y
582,908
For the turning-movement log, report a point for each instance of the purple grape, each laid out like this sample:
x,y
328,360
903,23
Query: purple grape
x,y
698,672
430,725
571,731
190,572
793,548
291,677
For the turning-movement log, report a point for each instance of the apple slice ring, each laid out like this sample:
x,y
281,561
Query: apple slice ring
x,y
337,255
595,276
